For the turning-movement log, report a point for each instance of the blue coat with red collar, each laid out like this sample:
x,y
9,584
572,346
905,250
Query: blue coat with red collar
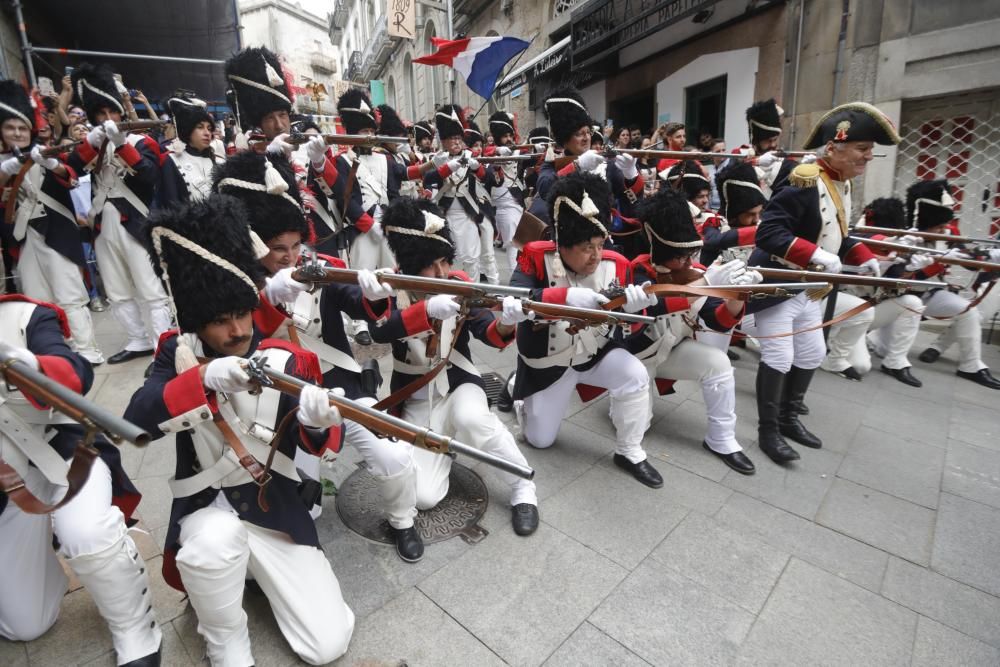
x,y
46,336
435,180
625,192
533,339
167,394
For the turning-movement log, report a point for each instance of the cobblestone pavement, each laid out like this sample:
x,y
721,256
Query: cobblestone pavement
x,y
878,549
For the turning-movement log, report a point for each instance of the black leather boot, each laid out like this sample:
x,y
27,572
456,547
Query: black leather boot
x,y
796,384
770,384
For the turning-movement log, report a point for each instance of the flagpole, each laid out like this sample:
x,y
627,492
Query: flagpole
x,y
510,68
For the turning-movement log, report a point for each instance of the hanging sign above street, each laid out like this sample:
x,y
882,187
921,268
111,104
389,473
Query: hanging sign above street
x,y
401,18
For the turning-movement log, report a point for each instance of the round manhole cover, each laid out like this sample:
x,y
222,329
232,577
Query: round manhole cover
x,y
358,504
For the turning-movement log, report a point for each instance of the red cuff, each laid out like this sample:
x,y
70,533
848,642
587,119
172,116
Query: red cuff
x,y
413,172
800,251
858,254
60,370
268,317
567,170
328,173
368,306
481,172
334,440
415,319
638,185
746,235
364,223
129,153
86,152
555,295
932,270
70,177
444,171
185,392
494,337
677,304
725,318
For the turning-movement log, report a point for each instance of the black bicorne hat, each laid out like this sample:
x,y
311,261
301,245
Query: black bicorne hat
x,y
257,86
15,103
929,204
187,113
739,189
472,134
666,220
389,122
94,89
204,288
422,130
886,212
691,178
566,113
501,123
539,135
450,121
417,234
356,111
855,121
267,187
764,120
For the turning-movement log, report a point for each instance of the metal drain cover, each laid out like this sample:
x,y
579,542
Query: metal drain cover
x,y
493,385
358,504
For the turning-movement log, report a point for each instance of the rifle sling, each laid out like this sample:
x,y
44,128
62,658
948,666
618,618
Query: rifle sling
x,y
13,485
403,393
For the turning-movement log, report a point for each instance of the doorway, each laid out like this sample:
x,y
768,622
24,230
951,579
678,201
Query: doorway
x,y
705,109
638,109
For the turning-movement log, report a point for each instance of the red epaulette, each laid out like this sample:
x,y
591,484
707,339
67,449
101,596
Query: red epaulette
x,y
306,362
532,258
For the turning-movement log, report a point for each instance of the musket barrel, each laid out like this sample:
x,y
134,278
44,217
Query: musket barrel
x,y
317,274
436,441
842,279
929,236
111,424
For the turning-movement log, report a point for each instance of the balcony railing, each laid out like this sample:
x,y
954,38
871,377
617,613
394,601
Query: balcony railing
x,y
354,72
379,48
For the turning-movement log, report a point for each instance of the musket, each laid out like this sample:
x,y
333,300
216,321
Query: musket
x,y
578,318
26,163
319,275
366,140
940,256
66,401
927,236
517,157
795,275
381,423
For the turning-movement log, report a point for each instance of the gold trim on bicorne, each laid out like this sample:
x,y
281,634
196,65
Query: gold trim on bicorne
x,y
864,108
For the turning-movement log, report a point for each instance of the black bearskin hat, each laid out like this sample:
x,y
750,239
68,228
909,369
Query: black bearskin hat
x,y
691,178
739,189
389,122
929,204
422,130
201,289
267,187
586,214
539,135
856,121
501,123
268,90
566,113
472,134
15,103
764,120
356,111
94,89
187,113
417,234
886,212
450,121
666,220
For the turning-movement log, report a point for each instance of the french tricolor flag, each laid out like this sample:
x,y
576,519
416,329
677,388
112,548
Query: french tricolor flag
x,y
479,59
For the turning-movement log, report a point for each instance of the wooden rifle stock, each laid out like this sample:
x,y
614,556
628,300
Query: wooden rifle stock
x,y
318,275
939,255
382,423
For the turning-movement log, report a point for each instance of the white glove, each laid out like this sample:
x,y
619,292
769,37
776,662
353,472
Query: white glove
x,y
827,260
115,136
748,277
473,164
315,410
870,267
627,165
227,375
282,288
49,163
909,240
442,307
584,297
25,356
919,261
404,148
371,287
10,166
513,312
503,151
723,274
441,159
96,136
767,159
809,158
589,160
376,230
956,253
316,151
636,299
454,165
279,146
995,255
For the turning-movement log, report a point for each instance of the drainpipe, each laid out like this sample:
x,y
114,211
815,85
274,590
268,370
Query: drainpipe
x,y
838,69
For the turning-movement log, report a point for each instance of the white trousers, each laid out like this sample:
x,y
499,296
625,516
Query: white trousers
x,y
130,283
627,382
465,414
848,335
466,235
94,541
895,327
966,328
694,360
508,217
804,350
47,275
487,255
217,552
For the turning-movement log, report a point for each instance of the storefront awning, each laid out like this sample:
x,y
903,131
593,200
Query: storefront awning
x,y
545,61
